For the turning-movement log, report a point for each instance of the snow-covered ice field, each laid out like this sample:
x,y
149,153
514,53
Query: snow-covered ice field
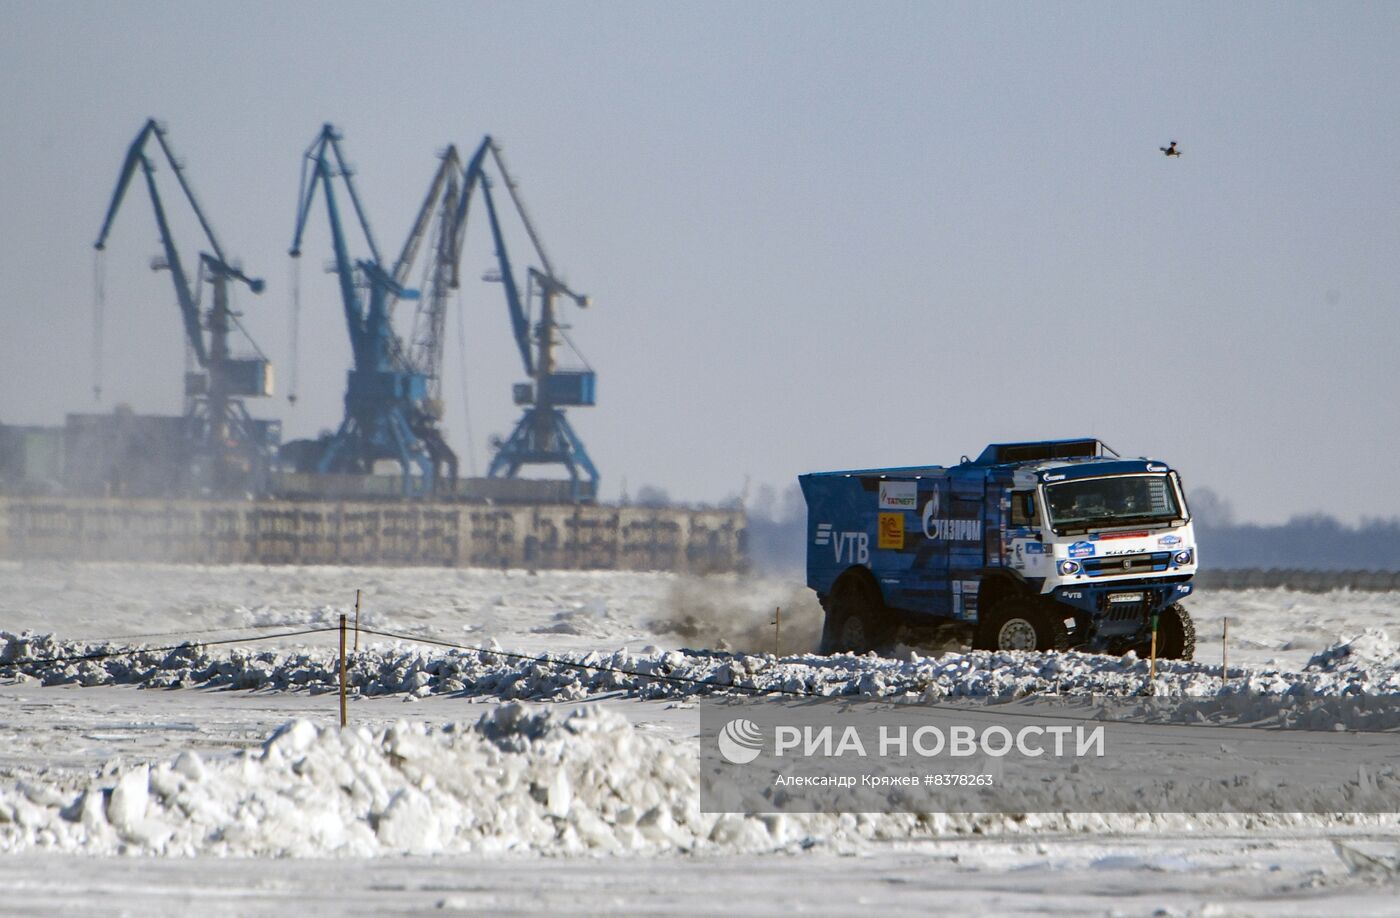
x,y
216,778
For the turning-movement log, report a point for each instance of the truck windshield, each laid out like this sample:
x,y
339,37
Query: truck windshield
x,y
1116,501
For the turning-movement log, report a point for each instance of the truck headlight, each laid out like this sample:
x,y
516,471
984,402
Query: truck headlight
x,y
1184,557
1069,567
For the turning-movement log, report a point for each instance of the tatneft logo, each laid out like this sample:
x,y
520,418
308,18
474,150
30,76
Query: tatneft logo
x,y
740,741
899,495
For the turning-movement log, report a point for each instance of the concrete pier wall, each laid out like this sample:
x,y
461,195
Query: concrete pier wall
x,y
543,536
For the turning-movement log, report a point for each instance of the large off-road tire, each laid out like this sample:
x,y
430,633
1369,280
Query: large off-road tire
x,y
1019,624
856,618
1176,634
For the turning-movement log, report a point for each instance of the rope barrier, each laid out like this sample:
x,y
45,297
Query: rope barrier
x,y
130,652
231,628
597,667
773,690
545,660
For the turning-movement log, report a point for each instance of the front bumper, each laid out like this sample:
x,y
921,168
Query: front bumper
x,y
1119,611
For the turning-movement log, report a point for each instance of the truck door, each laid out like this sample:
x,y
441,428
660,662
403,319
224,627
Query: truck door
x,y
964,523
966,540
995,508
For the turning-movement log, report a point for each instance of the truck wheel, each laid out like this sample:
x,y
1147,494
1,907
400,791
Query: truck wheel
x,y
1019,625
1176,634
856,618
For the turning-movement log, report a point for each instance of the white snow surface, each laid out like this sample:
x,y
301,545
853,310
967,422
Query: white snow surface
x,y
568,610
600,760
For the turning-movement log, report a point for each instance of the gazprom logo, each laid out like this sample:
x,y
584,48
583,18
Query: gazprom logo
x,y
949,530
740,741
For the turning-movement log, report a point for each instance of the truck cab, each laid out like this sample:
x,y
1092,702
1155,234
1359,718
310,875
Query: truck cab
x,y
1031,546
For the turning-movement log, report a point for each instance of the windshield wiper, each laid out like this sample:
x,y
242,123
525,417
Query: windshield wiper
x,y
1142,520
1069,527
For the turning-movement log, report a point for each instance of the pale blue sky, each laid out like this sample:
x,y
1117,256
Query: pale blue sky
x,y
816,234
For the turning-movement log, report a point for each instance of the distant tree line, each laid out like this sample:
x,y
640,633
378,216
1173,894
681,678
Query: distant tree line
x,y
1310,542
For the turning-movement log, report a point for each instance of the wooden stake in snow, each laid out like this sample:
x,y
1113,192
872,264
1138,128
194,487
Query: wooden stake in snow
x,y
357,621
1225,650
778,631
342,670
1153,676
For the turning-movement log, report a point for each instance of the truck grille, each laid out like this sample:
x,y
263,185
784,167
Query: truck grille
x,y
1145,563
1128,611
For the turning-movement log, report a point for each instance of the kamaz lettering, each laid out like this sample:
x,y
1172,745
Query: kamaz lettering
x,y
1012,554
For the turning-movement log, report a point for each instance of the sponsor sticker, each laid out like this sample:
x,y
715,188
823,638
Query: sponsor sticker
x,y
949,530
899,495
892,530
1035,548
1081,550
1168,541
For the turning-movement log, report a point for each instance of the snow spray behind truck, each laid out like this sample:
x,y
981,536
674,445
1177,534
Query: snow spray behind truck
x,y
1030,546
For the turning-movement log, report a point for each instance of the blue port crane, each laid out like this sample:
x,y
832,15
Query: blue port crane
x,y
543,435
388,410
231,453
436,220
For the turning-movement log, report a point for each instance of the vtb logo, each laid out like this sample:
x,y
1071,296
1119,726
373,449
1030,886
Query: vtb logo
x,y
851,547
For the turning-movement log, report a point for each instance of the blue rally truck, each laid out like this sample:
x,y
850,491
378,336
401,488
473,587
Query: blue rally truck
x,y
1030,546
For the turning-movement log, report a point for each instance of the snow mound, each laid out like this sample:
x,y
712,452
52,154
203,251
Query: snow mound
x,y
1372,649
518,781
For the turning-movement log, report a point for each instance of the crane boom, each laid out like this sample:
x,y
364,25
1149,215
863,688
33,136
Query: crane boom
x,y
186,295
471,177
426,343
520,206
449,165
179,171
320,174
430,320
189,312
135,155
519,320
